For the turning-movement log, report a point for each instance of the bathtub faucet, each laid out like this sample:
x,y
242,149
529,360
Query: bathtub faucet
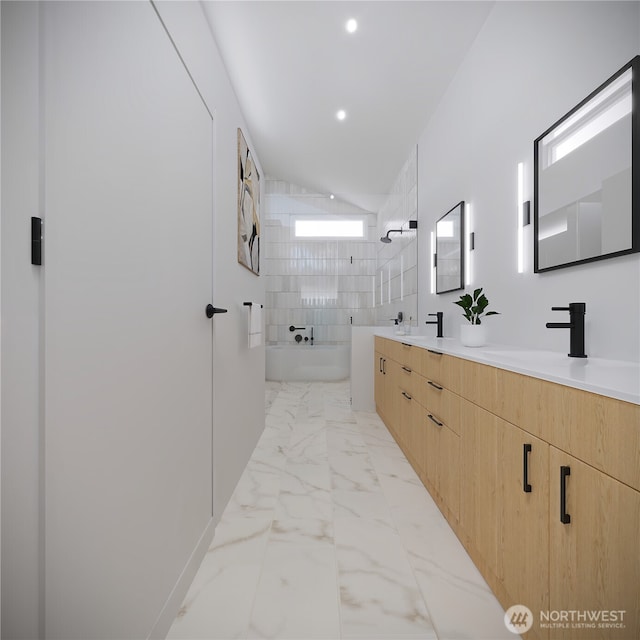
x,y
292,328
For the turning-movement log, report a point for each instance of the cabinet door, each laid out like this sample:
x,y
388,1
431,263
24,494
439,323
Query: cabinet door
x,y
378,382
595,555
479,446
442,461
412,416
523,519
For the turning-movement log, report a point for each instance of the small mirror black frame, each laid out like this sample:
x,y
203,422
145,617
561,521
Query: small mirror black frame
x,y
449,259
587,178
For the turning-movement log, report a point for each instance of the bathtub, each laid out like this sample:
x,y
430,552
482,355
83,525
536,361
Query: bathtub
x,y
286,363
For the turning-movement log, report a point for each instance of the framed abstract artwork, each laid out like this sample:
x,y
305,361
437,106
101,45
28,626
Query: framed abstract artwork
x,y
248,208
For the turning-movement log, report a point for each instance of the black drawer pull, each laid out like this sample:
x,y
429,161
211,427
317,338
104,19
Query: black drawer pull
x,y
438,353
406,344
406,369
434,420
565,518
406,395
380,364
526,487
434,385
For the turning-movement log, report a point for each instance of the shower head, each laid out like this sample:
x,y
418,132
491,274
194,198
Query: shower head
x,y
386,239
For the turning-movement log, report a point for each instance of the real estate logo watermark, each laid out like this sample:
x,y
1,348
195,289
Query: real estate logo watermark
x,y
582,619
519,619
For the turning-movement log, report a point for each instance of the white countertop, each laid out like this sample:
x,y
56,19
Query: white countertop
x,y
613,378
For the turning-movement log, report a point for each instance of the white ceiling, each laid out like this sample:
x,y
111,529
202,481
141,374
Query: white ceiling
x,y
293,65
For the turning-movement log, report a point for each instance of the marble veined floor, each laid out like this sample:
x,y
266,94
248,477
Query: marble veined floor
x,y
330,534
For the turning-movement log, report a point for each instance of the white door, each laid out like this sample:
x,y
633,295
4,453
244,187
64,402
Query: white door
x,y
128,347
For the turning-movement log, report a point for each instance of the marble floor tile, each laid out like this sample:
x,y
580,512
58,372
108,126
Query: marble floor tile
x,y
308,445
256,494
379,596
218,604
366,505
352,471
297,596
331,535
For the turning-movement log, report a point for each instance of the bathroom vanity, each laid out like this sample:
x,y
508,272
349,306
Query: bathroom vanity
x,y
534,459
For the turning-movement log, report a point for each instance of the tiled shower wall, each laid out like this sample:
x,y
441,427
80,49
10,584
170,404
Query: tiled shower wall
x,y
397,263
319,283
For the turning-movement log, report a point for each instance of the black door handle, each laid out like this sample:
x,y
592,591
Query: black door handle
x,y
434,385
565,518
210,310
526,487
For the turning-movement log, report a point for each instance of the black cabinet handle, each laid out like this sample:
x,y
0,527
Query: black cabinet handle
x,y
380,364
565,518
526,487
384,366
211,310
438,353
406,369
434,420
406,395
406,344
434,385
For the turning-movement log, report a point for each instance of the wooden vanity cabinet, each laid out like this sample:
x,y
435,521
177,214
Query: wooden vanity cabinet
x,y
478,436
479,485
522,515
441,466
594,560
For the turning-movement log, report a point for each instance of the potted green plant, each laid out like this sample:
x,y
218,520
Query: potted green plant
x,y
474,307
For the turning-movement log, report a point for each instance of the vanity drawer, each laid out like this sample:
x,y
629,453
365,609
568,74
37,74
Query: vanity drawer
x,y
442,403
440,368
406,355
410,381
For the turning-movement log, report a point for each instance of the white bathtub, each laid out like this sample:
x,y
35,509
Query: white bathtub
x,y
286,363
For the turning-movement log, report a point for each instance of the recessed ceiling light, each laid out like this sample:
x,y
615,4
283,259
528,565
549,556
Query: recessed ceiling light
x,y
352,25
332,196
341,115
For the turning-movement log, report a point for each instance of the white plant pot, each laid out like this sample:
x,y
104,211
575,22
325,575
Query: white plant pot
x,y
473,335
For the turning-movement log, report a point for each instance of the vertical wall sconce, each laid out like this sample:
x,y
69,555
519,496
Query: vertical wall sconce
x,y
433,262
521,217
471,245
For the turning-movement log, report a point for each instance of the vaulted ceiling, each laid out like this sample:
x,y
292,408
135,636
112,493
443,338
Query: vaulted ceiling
x,y
293,65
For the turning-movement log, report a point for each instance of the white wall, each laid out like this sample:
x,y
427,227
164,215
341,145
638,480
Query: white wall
x,y
238,381
530,64
21,557
238,395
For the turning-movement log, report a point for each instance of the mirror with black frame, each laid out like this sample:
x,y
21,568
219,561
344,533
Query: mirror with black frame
x,y
585,169
450,250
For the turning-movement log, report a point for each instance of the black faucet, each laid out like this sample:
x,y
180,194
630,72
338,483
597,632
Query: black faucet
x,y
439,315
312,336
576,325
